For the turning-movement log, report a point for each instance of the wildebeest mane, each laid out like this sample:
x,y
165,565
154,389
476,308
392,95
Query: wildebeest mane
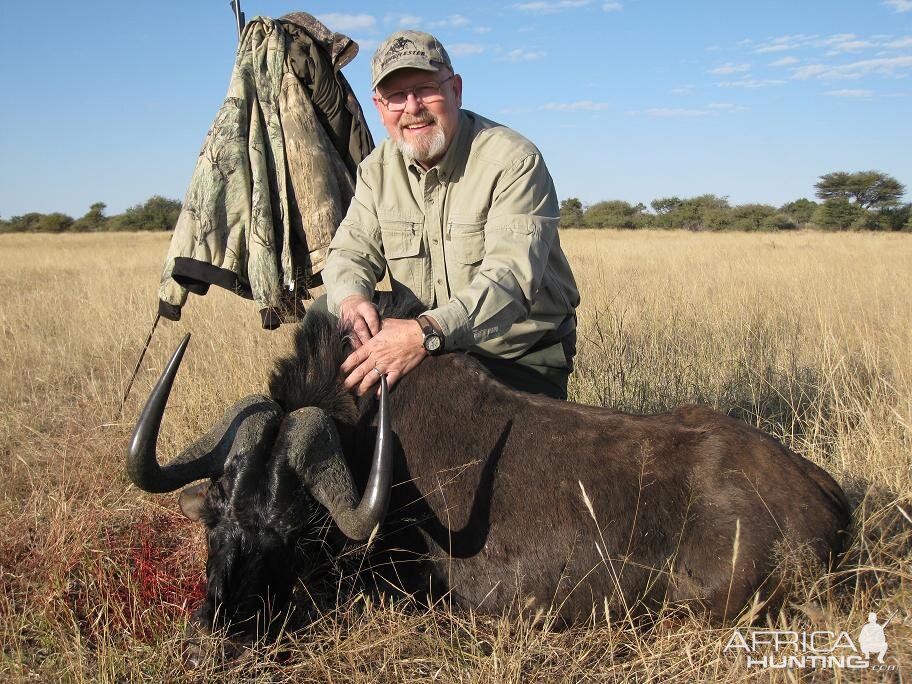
x,y
310,376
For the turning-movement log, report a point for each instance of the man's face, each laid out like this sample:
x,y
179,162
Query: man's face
x,y
423,131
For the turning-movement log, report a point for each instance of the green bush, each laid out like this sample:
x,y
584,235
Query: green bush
x,y
704,212
571,213
94,219
54,223
838,213
36,222
751,216
613,214
894,218
801,210
156,213
779,221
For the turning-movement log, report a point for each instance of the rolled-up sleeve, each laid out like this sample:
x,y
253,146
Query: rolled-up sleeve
x,y
520,228
355,262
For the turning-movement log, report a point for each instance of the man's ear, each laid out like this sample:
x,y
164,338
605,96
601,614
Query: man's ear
x,y
192,501
379,105
457,89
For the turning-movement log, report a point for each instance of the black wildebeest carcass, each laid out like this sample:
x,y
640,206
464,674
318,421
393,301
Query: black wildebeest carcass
x,y
495,498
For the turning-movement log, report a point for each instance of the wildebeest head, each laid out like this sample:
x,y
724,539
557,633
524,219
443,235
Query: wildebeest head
x,y
272,473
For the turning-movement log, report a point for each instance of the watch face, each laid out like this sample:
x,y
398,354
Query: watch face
x,y
432,343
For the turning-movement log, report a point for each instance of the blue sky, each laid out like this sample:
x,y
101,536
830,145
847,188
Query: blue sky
x,y
634,99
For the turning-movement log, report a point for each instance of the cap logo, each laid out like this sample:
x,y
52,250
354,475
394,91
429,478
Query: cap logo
x,y
400,48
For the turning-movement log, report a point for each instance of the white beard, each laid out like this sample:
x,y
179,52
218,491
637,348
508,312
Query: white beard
x,y
425,147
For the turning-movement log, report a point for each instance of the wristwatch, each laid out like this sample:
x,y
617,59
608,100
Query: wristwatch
x,y
433,340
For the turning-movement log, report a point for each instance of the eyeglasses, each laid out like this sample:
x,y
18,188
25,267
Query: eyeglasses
x,y
428,93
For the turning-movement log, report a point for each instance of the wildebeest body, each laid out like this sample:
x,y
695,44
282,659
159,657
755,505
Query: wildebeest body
x,y
491,480
487,494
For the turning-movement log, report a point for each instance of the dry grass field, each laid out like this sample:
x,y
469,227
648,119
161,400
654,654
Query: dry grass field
x,y
806,335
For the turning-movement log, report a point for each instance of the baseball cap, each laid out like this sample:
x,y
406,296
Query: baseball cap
x,y
408,49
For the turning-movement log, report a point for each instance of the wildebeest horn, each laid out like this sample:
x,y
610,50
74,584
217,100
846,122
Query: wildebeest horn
x,y
244,427
309,439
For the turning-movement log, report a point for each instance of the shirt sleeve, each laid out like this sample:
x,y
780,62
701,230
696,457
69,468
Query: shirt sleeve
x,y
520,228
355,262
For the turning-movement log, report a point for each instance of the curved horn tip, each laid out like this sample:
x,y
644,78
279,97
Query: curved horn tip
x,y
142,463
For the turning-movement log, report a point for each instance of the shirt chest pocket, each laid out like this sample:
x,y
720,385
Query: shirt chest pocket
x,y
401,239
405,258
465,241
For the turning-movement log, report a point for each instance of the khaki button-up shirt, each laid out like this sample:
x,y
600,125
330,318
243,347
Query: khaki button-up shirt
x,y
474,238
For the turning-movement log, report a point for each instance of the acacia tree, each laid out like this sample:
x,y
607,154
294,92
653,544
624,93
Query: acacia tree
x,y
571,213
868,189
93,220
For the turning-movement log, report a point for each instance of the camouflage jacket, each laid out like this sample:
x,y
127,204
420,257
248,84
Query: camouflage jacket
x,y
275,174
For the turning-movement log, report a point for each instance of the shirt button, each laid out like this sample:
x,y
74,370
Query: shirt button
x,y
439,281
434,240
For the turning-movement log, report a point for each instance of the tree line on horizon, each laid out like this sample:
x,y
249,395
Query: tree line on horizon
x,y
865,200
156,213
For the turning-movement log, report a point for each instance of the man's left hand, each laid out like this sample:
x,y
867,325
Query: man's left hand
x,y
394,351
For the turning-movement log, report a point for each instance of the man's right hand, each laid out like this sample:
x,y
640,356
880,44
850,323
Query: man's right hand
x,y
358,312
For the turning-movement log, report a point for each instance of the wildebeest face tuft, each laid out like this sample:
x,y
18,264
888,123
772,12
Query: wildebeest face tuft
x,y
253,544
249,578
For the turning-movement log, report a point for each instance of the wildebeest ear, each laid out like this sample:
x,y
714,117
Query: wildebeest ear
x,y
192,499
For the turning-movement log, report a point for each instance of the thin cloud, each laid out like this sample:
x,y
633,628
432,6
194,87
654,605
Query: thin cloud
x,y
409,20
348,22
851,46
465,49
900,43
785,61
837,38
367,43
850,93
686,89
612,6
884,66
750,83
676,112
899,5
726,107
783,43
730,68
579,106
521,55
712,109
550,7
836,43
452,21
482,29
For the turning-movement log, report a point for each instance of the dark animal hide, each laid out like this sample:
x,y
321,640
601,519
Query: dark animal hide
x,y
505,501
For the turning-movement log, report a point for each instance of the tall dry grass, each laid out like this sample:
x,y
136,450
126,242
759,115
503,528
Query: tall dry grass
x,y
807,335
